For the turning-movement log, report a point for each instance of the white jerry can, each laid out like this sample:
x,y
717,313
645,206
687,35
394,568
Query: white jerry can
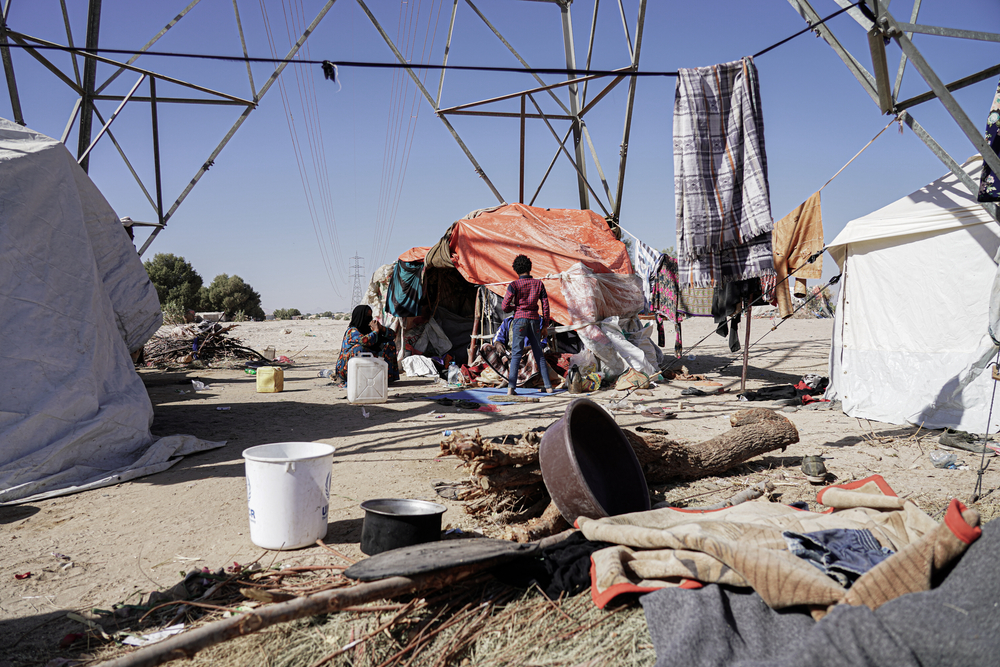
x,y
367,379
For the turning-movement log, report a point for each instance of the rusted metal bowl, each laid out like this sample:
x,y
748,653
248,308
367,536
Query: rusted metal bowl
x,y
589,467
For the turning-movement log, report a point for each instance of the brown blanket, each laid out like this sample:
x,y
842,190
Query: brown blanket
x,y
743,546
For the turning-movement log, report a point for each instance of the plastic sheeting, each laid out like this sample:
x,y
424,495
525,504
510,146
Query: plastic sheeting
x,y
601,301
75,300
911,333
483,248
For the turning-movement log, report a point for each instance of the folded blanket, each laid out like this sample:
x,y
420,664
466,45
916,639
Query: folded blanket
x,y
743,546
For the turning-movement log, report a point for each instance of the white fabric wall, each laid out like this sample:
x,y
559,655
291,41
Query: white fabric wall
x,y
74,299
911,320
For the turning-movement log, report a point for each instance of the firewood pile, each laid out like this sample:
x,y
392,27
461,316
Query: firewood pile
x,y
505,486
206,342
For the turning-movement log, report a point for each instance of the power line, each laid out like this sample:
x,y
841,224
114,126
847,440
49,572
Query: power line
x,y
328,65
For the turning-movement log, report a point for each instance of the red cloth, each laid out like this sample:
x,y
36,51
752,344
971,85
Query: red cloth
x,y
523,296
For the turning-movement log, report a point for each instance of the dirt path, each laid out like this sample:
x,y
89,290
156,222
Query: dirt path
x,y
124,541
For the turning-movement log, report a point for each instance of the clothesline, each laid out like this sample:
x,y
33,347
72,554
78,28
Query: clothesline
x,y
547,276
894,120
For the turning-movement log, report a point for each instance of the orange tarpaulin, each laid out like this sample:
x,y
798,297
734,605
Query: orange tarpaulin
x,y
483,248
414,254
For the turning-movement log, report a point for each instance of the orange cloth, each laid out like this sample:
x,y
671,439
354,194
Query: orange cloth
x,y
797,236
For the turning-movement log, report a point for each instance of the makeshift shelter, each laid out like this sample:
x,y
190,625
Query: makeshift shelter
x,y
75,301
463,277
912,314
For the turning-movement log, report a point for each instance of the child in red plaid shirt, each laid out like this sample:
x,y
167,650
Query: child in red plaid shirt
x,y
523,296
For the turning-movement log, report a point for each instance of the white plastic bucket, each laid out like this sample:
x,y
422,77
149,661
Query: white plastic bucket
x,y
288,493
367,379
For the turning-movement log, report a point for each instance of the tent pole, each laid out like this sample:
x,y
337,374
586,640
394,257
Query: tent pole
x,y
746,347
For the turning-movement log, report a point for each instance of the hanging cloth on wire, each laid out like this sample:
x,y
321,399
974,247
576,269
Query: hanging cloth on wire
x,y
989,184
720,176
797,236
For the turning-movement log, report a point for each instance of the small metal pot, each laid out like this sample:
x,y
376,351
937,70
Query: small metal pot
x,y
391,523
588,466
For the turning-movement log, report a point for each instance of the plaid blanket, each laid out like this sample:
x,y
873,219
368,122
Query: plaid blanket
x,y
720,176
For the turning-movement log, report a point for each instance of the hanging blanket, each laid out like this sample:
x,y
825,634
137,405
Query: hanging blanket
x,y
744,546
795,238
720,175
405,290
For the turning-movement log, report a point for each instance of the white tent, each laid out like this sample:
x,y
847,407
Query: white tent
x,y
913,310
74,301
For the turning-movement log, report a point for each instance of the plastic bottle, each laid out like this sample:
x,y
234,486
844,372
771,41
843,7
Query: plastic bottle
x,y
943,459
454,375
325,373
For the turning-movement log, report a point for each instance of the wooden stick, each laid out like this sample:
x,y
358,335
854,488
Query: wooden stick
x,y
746,351
188,644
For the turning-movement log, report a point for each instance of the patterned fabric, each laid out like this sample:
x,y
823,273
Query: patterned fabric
x,y
523,296
405,289
644,262
989,184
754,259
664,301
497,357
695,301
720,175
356,342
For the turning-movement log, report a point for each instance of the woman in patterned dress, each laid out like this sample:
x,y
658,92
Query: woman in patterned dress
x,y
365,334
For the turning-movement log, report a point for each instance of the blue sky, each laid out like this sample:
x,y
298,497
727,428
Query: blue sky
x,y
389,176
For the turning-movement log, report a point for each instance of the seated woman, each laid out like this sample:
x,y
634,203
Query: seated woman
x,y
360,337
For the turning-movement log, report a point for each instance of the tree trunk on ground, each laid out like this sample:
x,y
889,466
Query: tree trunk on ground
x,y
550,523
755,431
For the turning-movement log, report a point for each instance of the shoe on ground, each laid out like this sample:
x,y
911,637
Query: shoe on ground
x,y
814,469
965,442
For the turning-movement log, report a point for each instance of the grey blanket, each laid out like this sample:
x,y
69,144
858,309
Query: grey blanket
x,y
957,623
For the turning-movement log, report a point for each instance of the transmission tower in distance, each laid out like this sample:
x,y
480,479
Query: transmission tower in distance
x,y
357,273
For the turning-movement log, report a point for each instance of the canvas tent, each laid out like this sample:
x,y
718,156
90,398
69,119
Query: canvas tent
x,y
912,315
75,301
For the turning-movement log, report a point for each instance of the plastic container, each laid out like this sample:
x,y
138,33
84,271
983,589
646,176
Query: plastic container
x,y
270,379
288,493
367,379
393,523
455,375
943,459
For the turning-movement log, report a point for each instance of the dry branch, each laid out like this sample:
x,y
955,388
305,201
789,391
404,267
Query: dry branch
x,y
187,644
550,523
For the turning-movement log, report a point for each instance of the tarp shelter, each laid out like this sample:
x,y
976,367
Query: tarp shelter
x,y
912,314
482,247
75,301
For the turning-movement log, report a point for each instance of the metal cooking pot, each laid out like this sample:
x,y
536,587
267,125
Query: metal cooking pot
x,y
588,466
391,523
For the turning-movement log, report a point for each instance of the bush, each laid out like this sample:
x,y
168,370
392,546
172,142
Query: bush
x,y
231,295
177,283
285,313
328,313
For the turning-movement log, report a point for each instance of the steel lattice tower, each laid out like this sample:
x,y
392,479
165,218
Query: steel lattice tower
x,y
357,273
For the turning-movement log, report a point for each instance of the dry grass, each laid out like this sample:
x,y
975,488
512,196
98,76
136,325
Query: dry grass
x,y
484,623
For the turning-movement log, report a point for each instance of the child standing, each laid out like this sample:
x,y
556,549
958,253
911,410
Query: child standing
x,y
522,297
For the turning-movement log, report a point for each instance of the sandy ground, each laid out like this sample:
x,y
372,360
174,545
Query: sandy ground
x,y
127,540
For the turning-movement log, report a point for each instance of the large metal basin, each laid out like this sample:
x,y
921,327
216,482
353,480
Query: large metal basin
x,y
588,466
